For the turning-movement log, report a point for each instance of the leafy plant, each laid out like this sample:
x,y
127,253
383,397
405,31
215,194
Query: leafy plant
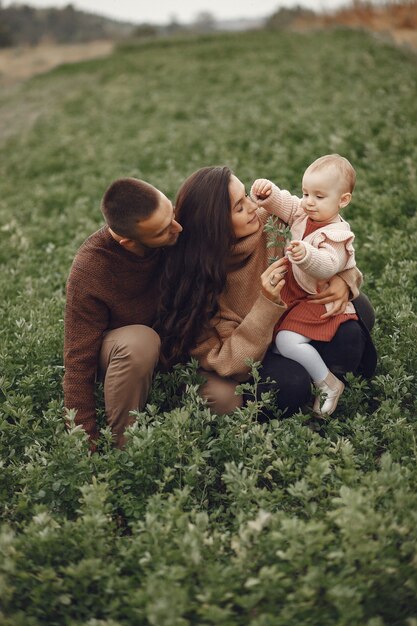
x,y
278,234
232,520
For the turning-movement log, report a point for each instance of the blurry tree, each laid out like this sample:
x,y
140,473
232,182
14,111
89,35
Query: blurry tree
x,y
285,17
145,30
174,26
6,37
205,22
25,25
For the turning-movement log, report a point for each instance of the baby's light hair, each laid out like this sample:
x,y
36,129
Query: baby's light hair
x,y
343,166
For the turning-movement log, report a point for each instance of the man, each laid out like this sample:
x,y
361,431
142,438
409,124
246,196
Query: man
x,y
111,304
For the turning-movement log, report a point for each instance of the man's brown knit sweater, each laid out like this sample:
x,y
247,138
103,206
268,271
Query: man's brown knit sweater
x,y
108,287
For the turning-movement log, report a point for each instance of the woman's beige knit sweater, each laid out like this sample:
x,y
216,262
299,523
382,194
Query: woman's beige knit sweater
x,y
245,321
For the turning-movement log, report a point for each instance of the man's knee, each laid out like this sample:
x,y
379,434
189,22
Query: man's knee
x,y
220,393
144,347
135,347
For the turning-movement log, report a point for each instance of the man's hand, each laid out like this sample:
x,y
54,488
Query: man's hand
x,y
261,188
336,294
296,250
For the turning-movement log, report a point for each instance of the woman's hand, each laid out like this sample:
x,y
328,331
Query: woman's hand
x,y
336,294
273,280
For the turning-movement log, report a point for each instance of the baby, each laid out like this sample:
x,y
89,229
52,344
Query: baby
x,y
321,248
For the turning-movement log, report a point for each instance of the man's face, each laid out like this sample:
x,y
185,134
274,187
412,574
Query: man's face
x,y
160,228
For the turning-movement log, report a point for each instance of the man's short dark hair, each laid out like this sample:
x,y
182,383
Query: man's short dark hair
x,y
126,202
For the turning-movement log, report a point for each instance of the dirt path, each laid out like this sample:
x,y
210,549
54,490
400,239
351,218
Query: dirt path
x,y
17,64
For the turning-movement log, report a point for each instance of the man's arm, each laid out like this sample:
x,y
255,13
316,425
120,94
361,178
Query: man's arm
x,y
86,318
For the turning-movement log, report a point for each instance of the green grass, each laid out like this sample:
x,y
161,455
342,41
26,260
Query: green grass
x,y
205,520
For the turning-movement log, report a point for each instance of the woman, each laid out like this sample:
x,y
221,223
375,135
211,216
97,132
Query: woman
x,y
221,299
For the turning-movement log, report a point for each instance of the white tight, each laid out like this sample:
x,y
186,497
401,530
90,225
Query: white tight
x,y
298,348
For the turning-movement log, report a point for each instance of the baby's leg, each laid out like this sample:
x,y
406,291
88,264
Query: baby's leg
x,y
297,347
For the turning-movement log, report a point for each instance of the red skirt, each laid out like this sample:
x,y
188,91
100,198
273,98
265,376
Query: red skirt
x,y
303,316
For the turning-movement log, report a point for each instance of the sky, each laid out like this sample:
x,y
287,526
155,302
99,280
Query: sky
x,y
162,11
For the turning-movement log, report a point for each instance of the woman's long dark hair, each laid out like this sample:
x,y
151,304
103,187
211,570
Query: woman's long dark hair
x,y
195,270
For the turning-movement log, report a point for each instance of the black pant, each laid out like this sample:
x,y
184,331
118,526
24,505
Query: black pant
x,y
342,354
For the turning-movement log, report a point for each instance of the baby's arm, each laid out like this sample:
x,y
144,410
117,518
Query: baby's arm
x,y
330,258
274,200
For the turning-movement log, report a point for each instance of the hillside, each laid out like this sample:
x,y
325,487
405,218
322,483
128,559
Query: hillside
x,y
202,519
392,19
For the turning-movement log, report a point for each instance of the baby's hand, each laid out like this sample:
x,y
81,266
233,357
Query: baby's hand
x,y
296,250
261,189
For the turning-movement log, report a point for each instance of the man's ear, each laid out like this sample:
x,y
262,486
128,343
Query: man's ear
x,y
126,243
345,198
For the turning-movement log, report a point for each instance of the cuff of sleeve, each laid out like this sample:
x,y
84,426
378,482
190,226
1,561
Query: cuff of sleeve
x,y
268,310
306,261
89,424
253,195
272,201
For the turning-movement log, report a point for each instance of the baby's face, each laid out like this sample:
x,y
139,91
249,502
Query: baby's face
x,y
323,194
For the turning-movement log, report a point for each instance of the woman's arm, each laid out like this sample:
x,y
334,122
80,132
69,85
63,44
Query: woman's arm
x,y
231,343
339,291
231,340
354,281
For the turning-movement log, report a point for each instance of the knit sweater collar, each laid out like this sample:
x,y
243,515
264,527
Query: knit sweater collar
x,y
243,249
126,254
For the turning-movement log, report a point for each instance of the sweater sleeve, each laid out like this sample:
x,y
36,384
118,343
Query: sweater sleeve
x,y
280,203
232,342
325,261
86,318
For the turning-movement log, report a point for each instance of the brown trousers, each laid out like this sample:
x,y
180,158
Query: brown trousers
x,y
128,358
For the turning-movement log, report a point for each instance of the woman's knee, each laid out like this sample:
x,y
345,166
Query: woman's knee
x,y
220,393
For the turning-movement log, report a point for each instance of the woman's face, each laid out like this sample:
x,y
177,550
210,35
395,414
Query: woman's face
x,y
244,218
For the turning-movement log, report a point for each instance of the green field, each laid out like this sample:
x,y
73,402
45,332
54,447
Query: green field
x,y
201,519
